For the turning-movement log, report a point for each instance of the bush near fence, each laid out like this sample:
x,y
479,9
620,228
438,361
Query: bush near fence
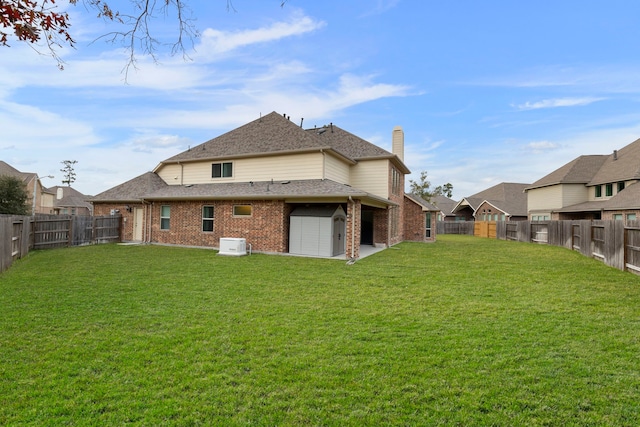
x,y
613,242
20,234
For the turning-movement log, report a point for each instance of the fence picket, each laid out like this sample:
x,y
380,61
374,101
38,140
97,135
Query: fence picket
x,y
19,234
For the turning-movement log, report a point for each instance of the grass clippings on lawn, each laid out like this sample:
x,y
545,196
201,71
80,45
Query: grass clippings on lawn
x,y
465,331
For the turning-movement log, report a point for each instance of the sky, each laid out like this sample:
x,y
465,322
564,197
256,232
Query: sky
x,y
485,91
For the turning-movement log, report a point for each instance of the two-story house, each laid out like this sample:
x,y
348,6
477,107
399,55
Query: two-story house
x,y
248,182
590,187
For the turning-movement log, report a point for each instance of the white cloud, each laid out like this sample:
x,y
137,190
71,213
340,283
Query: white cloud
x,y
557,102
214,42
540,146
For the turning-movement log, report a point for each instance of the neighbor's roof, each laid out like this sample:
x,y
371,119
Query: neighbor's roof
x,y
275,134
509,197
444,203
623,165
7,169
629,198
70,197
151,187
580,170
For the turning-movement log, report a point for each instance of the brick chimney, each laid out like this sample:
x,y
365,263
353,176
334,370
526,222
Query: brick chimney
x,y
397,142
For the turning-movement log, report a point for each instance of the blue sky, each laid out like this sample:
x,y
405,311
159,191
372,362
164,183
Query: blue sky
x,y
486,92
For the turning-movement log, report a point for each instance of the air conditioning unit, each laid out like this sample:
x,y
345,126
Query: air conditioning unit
x,y
233,246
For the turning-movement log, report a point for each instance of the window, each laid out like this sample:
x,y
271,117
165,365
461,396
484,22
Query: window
x,y
242,210
428,233
609,190
165,215
631,217
207,218
617,217
222,170
396,179
620,186
598,190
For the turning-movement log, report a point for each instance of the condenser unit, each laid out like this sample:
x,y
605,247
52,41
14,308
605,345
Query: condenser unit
x,y
233,246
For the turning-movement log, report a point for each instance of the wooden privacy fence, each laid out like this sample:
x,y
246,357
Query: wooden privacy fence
x,y
19,234
613,242
455,227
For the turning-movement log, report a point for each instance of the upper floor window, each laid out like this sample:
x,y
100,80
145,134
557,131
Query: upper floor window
x,y
207,218
242,210
609,190
598,190
222,170
620,186
396,181
165,216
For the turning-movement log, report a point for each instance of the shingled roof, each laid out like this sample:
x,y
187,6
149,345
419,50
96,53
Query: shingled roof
x,y
509,197
275,134
133,190
622,165
580,170
150,186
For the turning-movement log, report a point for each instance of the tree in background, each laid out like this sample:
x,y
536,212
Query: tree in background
x,y
69,172
13,196
422,188
445,190
36,21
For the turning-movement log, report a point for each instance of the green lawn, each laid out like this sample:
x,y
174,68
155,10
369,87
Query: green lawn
x,y
466,331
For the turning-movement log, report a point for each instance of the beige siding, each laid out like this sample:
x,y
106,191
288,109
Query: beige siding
x,y
544,198
574,193
171,174
371,176
556,197
290,167
336,169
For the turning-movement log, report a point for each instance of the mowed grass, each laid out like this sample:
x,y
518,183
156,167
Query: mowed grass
x,y
465,331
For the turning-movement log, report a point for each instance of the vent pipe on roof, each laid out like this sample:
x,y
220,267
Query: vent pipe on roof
x,y
301,120
397,142
615,154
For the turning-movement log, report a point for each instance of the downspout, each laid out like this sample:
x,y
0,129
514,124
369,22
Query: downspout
x,y
181,173
324,165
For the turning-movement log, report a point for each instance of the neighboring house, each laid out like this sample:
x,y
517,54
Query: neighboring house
x,y
247,183
446,205
425,213
506,201
38,198
590,187
69,201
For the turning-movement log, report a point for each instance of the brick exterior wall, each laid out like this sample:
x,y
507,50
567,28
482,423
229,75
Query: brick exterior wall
x,y
266,230
381,226
414,222
608,215
353,229
396,195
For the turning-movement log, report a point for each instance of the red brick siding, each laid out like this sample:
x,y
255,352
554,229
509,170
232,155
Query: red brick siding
x,y
353,229
381,226
266,230
396,196
414,222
